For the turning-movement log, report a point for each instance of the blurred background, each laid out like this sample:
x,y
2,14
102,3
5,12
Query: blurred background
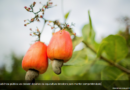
x,y
15,39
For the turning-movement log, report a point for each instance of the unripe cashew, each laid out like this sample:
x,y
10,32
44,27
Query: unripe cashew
x,y
31,74
56,66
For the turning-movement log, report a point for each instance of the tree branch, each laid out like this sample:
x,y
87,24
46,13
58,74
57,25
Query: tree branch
x,y
108,61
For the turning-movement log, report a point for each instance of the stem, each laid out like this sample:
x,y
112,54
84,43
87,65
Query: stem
x,y
37,12
43,26
42,30
31,8
108,61
62,10
57,23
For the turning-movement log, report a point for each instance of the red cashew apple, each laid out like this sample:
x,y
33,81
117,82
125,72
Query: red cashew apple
x,y
35,61
60,49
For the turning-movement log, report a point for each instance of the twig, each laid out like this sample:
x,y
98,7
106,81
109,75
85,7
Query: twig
x,y
108,61
43,26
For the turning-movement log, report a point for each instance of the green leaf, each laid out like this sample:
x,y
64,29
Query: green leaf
x,y
111,76
101,48
78,57
66,15
116,48
86,34
87,30
76,41
90,23
110,73
125,63
98,66
72,70
123,80
77,64
89,34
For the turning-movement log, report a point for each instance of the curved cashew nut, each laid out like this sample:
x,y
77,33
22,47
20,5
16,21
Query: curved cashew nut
x,y
31,74
56,66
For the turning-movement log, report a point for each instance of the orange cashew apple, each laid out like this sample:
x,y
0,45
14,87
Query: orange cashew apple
x,y
35,61
60,49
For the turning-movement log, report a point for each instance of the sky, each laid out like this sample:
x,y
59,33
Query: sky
x,y
15,36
